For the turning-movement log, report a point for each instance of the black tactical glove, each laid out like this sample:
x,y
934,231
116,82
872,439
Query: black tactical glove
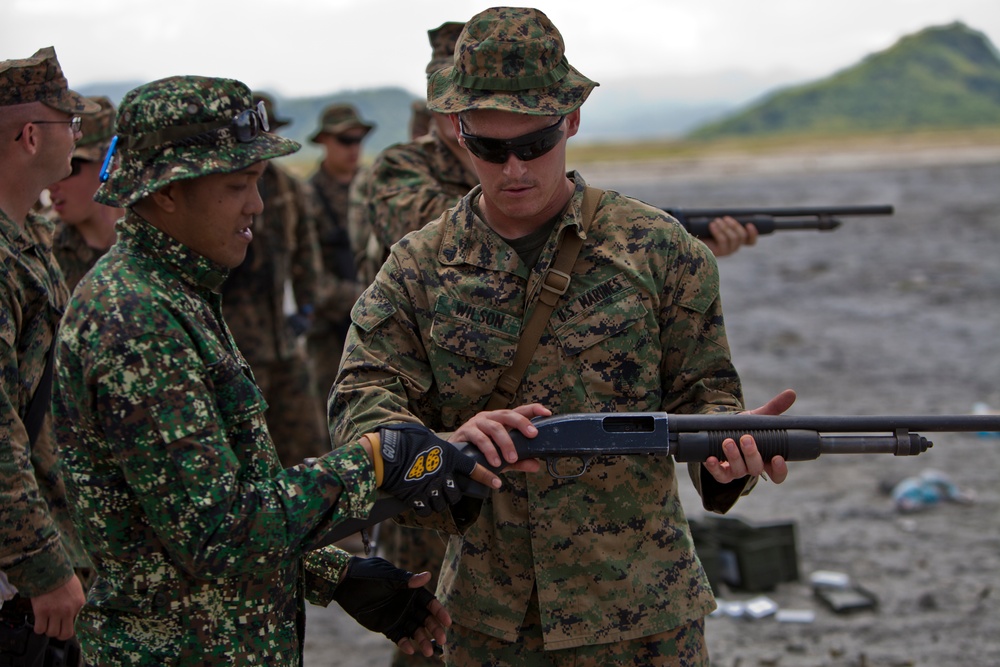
x,y
299,322
375,593
418,467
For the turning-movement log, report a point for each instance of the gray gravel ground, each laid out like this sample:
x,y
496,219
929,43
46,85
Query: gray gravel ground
x,y
895,315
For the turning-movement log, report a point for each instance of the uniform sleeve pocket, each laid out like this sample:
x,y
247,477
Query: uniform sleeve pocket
x,y
371,309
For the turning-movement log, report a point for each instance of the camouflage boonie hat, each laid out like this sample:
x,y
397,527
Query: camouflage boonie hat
x,y
443,39
97,131
509,59
180,128
272,116
40,79
339,118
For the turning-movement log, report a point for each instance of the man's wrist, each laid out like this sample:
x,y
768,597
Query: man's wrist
x,y
373,445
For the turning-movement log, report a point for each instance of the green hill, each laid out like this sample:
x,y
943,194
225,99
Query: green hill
x,y
945,77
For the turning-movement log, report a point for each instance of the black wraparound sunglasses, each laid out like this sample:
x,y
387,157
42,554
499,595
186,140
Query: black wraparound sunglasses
x,y
525,147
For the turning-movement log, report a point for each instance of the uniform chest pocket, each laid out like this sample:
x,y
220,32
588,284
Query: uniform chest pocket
x,y
581,328
475,331
609,350
236,394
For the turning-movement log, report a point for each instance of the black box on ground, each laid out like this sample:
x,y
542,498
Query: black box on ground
x,y
746,556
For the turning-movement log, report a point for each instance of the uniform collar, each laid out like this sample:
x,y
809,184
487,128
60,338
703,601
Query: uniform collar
x,y
467,239
135,232
15,236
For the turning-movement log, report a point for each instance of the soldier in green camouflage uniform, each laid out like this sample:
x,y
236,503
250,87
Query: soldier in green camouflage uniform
x,y
340,132
85,228
284,251
600,569
408,185
40,551
204,547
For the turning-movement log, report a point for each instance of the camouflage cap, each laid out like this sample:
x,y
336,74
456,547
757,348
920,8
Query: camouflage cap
x,y
97,131
339,118
443,39
40,79
185,127
272,116
509,59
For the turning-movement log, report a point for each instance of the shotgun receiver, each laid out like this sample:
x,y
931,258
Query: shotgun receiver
x,y
769,220
694,438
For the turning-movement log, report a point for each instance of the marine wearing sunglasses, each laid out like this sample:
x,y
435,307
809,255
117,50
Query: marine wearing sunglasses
x,y
526,147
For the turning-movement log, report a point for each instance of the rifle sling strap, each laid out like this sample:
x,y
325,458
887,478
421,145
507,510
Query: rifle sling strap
x,y
554,285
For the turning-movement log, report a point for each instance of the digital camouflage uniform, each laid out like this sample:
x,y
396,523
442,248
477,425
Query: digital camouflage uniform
x,y
408,185
359,226
39,548
284,251
73,254
640,329
75,257
35,514
341,287
578,566
203,545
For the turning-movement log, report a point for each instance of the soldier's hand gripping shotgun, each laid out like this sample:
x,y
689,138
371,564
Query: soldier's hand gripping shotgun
x,y
569,442
770,220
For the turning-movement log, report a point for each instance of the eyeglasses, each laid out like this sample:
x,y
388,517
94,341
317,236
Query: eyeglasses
x,y
245,126
525,147
348,139
75,123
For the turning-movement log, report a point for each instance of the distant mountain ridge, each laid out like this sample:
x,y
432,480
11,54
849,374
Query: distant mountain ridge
x,y
945,77
941,77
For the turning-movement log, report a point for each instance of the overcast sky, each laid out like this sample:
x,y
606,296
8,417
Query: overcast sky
x,y
313,47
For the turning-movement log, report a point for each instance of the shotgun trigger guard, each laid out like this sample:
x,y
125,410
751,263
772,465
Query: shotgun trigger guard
x,y
552,465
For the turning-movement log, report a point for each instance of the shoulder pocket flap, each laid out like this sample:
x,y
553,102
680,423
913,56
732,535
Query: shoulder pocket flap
x,y
371,309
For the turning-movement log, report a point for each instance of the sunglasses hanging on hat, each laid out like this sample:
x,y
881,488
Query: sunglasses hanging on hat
x,y
244,126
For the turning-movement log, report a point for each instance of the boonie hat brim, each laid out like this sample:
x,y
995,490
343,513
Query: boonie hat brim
x,y
139,176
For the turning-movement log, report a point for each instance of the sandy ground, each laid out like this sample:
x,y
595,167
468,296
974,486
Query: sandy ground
x,y
893,315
